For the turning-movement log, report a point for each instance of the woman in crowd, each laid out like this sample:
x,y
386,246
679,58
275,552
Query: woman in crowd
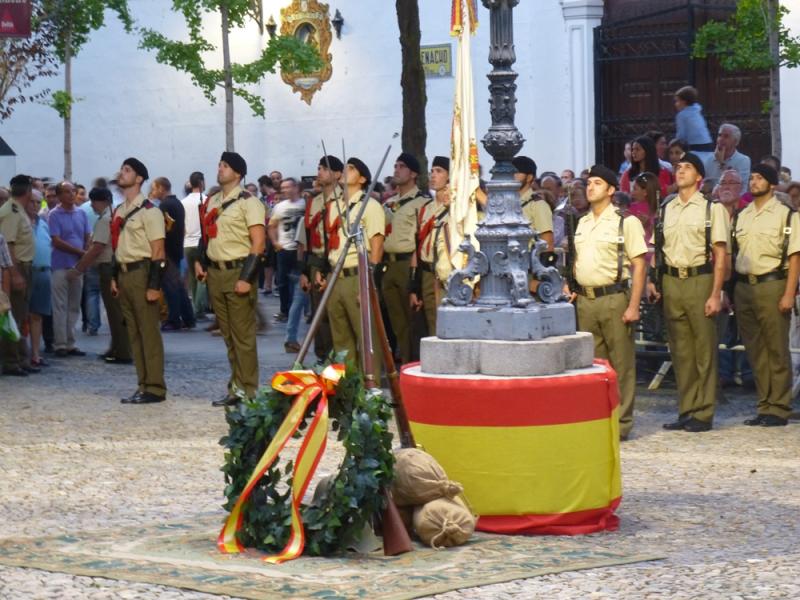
x,y
644,159
39,306
645,199
690,124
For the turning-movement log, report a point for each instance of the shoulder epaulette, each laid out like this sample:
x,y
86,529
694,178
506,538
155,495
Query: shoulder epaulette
x,y
14,208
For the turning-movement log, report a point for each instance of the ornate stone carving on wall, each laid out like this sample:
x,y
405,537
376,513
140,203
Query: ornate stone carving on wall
x,y
309,21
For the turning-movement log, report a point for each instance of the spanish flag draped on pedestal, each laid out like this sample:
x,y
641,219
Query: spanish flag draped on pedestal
x,y
464,168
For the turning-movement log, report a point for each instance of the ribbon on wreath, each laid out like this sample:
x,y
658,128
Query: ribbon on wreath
x,y
305,386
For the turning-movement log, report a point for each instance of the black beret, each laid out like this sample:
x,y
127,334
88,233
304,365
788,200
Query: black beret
x,y
335,163
442,162
605,174
235,162
361,168
21,180
410,161
767,172
694,160
523,164
137,166
100,195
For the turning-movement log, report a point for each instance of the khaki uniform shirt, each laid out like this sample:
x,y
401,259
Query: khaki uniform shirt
x,y
759,234
434,247
102,235
685,230
373,221
314,208
537,212
596,247
146,226
15,225
233,225
402,213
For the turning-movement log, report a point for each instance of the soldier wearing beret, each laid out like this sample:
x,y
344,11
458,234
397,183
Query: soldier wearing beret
x,y
329,175
610,269
692,236
343,306
431,266
137,237
766,243
234,237
536,210
15,226
402,218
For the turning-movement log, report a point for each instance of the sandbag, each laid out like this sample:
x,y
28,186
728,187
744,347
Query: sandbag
x,y
418,479
444,522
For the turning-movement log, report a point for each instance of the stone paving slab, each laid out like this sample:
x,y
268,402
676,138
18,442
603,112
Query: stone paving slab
x,y
723,506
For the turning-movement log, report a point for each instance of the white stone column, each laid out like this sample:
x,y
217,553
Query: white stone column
x,y
581,17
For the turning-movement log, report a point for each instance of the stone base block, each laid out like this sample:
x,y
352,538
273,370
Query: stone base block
x,y
522,359
579,350
454,357
558,319
534,322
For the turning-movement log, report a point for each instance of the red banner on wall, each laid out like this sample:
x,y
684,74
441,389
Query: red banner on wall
x,y
15,18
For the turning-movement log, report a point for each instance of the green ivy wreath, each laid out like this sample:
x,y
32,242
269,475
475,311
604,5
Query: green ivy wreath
x,y
360,420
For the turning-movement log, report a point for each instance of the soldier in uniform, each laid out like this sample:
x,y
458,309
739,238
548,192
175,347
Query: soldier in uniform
x,y
235,237
402,213
16,228
329,175
610,268
137,237
766,243
430,266
692,244
343,305
101,255
535,209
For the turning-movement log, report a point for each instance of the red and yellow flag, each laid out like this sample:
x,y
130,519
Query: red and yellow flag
x,y
306,386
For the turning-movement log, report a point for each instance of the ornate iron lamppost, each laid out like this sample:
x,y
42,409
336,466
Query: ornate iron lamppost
x,y
505,309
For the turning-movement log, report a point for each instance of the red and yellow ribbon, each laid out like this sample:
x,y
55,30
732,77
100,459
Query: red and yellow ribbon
x,y
305,386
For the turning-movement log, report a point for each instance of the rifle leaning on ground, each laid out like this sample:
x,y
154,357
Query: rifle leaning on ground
x,y
395,537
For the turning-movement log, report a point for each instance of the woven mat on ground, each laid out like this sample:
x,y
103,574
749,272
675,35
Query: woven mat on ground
x,y
184,555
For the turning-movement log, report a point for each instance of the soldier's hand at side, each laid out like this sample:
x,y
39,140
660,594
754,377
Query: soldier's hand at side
x,y
414,302
652,293
199,271
568,293
114,288
305,284
242,287
713,305
320,281
152,295
786,303
631,314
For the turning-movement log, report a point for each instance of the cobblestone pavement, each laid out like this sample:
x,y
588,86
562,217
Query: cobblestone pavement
x,y
722,506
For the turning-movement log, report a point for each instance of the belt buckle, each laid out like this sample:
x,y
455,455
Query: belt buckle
x,y
752,279
589,293
683,272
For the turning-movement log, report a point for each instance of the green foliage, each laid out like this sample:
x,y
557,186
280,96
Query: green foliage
x,y
75,20
62,102
360,420
286,52
742,43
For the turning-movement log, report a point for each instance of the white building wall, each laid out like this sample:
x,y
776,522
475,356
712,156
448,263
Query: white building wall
x,y
131,105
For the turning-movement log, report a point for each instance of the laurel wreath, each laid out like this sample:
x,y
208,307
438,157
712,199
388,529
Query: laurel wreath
x,y
360,419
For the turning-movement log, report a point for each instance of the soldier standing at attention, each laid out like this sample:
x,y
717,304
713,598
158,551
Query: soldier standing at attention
x,y
766,242
537,211
430,266
137,237
15,226
610,268
235,236
691,232
329,175
343,306
402,213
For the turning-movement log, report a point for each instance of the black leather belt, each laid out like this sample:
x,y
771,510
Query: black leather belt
x,y
426,266
686,272
132,266
603,290
227,265
754,279
709,147
397,256
351,272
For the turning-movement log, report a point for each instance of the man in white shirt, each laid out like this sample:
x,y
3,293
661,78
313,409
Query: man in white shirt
x,y
191,240
284,220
